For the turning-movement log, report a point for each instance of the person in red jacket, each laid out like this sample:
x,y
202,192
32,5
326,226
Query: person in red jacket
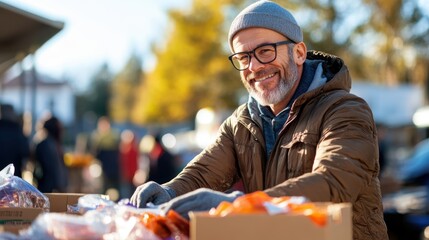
x,y
128,153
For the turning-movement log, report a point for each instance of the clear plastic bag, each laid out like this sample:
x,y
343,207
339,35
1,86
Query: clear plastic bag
x,y
90,202
16,192
108,223
53,226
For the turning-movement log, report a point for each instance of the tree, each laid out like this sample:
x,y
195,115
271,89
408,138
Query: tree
x,y
379,39
192,70
124,91
95,100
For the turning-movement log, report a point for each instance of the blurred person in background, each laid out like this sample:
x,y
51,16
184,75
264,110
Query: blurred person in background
x,y
50,171
162,163
105,147
129,154
14,145
301,133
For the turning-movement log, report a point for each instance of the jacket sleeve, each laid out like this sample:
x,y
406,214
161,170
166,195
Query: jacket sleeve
x,y
215,167
346,158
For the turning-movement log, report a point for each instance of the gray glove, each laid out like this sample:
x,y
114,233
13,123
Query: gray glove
x,y
202,199
151,192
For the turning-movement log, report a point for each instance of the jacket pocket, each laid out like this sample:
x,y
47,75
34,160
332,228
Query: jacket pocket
x,y
301,151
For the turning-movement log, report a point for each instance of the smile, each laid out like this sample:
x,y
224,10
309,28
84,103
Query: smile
x,y
264,78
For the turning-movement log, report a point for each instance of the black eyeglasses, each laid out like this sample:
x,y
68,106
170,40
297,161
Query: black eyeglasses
x,y
264,54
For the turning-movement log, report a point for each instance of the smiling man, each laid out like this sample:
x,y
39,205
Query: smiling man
x,y
300,134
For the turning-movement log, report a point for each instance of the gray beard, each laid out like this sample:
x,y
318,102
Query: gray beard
x,y
285,86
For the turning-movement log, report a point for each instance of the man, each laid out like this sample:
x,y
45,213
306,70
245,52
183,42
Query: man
x,y
300,134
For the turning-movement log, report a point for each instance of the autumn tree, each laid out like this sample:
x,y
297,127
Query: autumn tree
x,y
380,40
124,90
401,30
192,71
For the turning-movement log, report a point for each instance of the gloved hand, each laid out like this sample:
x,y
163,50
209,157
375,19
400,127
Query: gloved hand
x,y
151,192
202,199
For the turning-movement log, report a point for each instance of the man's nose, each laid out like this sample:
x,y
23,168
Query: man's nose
x,y
254,64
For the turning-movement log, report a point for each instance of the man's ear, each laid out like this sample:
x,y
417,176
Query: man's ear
x,y
300,53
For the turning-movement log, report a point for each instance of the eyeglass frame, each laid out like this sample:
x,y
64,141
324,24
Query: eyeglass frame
x,y
248,53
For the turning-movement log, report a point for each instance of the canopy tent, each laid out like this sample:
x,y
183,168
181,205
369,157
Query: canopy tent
x,y
392,106
22,33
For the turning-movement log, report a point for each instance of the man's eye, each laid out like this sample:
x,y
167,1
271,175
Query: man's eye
x,y
242,59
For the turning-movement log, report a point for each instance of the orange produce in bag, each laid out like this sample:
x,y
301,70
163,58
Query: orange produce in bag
x,y
256,203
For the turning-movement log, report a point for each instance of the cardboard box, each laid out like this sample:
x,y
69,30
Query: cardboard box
x,y
15,219
59,201
282,226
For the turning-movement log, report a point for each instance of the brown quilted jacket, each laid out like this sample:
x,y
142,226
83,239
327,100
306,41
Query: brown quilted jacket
x,y
327,151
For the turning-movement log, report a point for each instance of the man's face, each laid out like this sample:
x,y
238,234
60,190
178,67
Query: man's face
x,y
269,83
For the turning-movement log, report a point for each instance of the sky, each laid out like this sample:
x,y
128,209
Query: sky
x,y
97,32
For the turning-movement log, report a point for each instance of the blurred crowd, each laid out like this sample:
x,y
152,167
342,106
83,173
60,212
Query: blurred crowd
x,y
106,160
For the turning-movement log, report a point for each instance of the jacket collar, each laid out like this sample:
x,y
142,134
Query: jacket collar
x,y
313,76
333,75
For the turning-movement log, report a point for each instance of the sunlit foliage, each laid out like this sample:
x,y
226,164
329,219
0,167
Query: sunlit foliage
x,y
192,69
124,91
381,40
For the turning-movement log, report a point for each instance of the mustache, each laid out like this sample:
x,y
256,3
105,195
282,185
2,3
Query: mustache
x,y
254,75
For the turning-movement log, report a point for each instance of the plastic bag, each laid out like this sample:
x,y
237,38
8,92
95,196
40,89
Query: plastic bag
x,y
16,192
119,222
91,202
53,226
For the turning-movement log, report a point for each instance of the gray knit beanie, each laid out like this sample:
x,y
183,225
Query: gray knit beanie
x,y
266,14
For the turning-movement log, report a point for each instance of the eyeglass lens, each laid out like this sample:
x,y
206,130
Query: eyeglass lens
x,y
264,54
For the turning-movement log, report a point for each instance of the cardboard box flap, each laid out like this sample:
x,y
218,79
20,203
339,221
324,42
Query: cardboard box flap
x,y
60,201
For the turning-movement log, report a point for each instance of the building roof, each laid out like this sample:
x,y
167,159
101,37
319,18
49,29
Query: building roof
x,y
22,33
27,77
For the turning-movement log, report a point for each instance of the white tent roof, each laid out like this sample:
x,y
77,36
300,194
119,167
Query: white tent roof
x,y
391,105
